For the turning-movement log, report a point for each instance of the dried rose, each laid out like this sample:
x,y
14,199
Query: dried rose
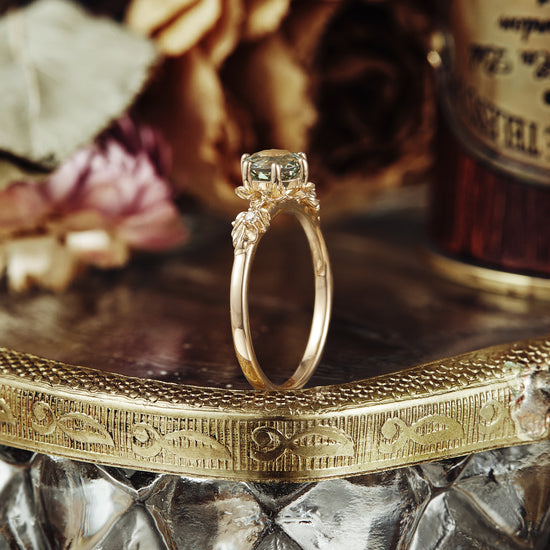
x,y
217,25
108,198
346,82
118,184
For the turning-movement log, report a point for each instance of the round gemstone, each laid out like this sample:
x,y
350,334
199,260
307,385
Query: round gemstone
x,y
260,169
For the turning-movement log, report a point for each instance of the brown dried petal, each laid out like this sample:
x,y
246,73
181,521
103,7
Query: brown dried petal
x,y
277,89
375,106
193,117
187,30
264,17
146,16
179,31
306,25
223,38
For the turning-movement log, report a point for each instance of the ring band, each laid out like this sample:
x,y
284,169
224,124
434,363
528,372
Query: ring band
x,y
275,181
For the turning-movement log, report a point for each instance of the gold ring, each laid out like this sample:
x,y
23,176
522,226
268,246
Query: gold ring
x,y
275,181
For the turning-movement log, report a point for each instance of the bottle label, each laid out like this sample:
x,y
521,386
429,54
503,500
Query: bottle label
x,y
498,87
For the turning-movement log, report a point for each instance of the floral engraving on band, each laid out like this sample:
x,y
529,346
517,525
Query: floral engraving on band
x,y
321,441
6,416
493,413
444,428
148,442
77,426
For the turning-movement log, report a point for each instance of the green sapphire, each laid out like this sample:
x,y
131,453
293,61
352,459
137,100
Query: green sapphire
x,y
260,169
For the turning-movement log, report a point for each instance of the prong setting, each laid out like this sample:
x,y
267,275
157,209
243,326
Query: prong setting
x,y
304,169
276,177
246,166
273,172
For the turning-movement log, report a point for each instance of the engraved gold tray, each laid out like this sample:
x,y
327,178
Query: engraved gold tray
x,y
442,409
186,409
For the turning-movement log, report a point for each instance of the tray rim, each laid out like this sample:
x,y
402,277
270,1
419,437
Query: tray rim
x,y
442,409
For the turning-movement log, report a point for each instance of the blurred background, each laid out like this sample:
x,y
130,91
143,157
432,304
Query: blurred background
x,y
117,117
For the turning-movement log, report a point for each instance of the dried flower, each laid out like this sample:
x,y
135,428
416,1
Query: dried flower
x,y
346,82
23,208
118,184
65,76
108,198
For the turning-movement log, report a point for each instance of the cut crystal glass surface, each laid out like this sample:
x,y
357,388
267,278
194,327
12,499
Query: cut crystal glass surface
x,y
261,162
277,540
192,513
79,504
496,500
354,516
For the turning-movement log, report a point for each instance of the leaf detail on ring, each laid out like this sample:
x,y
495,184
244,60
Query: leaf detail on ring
x,y
307,197
249,226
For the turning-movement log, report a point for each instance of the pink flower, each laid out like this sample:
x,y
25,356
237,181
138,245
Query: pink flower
x,y
23,207
108,198
119,183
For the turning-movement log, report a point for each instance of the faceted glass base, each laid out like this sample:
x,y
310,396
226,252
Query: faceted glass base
x,y
496,499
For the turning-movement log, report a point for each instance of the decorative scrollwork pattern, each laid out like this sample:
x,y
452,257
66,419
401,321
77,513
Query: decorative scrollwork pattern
x,y
6,416
317,442
75,425
189,444
493,415
443,428
495,397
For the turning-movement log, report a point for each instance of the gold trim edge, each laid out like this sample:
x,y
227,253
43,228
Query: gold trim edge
x,y
468,403
484,278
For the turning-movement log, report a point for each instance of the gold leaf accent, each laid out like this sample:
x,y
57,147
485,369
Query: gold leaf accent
x,y
195,447
147,442
84,428
333,442
396,427
307,197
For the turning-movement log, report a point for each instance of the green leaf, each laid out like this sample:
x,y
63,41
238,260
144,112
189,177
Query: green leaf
x,y
65,75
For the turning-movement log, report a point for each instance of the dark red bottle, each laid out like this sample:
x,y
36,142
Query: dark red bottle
x,y
491,195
